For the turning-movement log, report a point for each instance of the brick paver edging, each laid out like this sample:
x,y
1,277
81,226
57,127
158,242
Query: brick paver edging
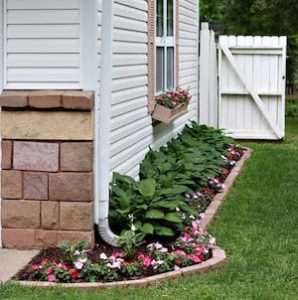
x,y
218,255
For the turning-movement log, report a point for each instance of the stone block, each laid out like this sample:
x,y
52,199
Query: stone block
x,y
18,238
50,215
11,184
34,156
35,186
14,99
76,236
80,100
76,157
6,154
45,238
20,214
76,216
71,187
45,99
47,125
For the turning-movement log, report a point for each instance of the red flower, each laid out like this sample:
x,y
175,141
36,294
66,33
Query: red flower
x,y
35,267
125,264
178,261
141,256
186,237
194,258
43,262
117,254
73,273
50,270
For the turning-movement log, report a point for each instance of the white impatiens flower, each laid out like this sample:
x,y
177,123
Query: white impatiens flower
x,y
103,256
115,263
158,245
177,209
78,265
176,268
164,250
212,241
77,253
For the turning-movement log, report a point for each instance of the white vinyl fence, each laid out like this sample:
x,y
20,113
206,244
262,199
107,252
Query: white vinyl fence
x,y
249,85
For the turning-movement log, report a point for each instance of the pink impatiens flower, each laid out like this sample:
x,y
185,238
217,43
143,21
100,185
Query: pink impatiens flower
x,y
51,278
194,258
35,267
62,266
186,237
118,254
147,261
179,252
50,270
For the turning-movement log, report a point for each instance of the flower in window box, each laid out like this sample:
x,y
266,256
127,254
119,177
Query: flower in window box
x,y
171,105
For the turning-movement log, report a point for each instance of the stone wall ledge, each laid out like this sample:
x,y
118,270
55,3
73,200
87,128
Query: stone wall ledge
x,y
47,100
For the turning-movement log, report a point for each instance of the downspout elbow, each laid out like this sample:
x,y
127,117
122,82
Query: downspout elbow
x,y
106,233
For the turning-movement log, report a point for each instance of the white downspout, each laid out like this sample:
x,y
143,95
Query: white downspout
x,y
103,127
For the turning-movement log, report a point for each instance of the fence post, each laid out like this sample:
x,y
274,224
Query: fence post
x,y
204,71
208,78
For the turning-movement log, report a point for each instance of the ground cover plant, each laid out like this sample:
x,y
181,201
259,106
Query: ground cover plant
x,y
257,227
177,182
157,218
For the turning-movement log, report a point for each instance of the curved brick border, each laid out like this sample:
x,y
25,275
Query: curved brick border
x,y
218,258
219,198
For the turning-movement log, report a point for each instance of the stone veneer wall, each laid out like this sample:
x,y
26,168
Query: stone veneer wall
x,y
47,164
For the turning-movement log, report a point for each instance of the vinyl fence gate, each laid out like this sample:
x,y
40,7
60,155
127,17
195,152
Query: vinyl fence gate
x,y
242,84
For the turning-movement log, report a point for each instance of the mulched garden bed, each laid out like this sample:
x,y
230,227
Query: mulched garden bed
x,y
74,263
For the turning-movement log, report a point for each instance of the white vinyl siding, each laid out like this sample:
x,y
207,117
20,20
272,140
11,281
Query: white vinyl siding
x,y
132,132
42,44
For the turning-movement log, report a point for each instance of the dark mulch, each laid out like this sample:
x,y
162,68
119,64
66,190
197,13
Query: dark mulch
x,y
57,255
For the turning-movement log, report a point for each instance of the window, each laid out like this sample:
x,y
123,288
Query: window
x,y
165,46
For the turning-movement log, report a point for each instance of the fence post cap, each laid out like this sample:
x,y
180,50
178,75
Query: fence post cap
x,y
205,26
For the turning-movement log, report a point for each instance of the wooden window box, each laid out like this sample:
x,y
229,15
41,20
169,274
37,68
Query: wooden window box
x,y
168,115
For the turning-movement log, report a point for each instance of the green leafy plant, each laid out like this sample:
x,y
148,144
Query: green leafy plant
x,y
73,251
184,167
154,209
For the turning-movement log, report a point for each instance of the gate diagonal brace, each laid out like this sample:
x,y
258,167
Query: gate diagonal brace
x,y
253,94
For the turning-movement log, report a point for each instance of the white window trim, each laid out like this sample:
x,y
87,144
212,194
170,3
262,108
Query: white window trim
x,y
165,42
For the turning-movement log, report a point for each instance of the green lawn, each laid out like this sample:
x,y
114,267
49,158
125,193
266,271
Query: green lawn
x,y
257,226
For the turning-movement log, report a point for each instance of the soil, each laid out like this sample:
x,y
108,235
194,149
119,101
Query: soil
x,y
57,255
